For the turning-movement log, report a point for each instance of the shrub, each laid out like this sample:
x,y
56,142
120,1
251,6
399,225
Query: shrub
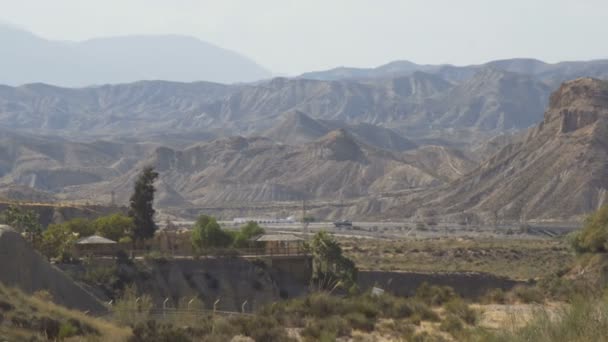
x,y
496,296
261,328
434,295
326,329
451,324
594,235
67,330
359,321
461,310
153,332
559,288
528,294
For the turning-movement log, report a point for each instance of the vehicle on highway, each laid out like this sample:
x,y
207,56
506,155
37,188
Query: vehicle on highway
x,y
343,224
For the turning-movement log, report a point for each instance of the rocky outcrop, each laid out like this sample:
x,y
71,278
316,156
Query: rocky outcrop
x,y
558,171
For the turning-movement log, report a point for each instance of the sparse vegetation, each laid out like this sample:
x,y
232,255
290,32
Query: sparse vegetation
x,y
520,259
593,238
31,318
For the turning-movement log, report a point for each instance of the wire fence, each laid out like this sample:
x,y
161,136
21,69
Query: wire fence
x,y
220,252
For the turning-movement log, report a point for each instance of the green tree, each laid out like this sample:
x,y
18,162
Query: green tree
x,y
114,227
80,226
207,233
330,267
242,238
141,205
57,241
594,235
24,221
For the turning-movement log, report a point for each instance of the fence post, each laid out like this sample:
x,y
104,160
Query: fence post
x,y
165,306
190,302
215,305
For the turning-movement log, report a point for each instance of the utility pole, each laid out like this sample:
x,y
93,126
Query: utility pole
x,y
112,198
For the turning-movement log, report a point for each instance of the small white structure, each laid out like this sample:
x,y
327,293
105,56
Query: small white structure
x,y
259,220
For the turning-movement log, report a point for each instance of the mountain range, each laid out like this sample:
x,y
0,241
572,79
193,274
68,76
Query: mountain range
x,y
551,74
27,58
558,170
416,105
402,140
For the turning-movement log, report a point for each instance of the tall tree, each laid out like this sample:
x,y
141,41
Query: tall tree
x,y
141,205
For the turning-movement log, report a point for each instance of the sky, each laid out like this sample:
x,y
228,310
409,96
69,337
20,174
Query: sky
x,y
290,37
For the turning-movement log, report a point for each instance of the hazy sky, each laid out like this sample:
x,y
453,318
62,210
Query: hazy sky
x,y
290,37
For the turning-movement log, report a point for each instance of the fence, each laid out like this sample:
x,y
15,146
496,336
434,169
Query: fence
x,y
220,252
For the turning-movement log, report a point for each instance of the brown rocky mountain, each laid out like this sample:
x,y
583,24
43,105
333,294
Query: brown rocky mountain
x,y
50,164
491,99
558,171
296,128
245,170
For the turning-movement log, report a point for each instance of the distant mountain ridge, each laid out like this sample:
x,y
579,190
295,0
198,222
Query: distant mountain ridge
x,y
551,74
27,58
492,100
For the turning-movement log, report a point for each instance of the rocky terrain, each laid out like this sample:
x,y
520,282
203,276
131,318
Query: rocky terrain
x,y
392,141
490,101
557,171
245,170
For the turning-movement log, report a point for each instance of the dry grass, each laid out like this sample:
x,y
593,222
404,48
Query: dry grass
x,y
31,308
520,259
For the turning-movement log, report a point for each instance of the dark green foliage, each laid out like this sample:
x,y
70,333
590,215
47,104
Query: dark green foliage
x,y
57,241
248,231
114,227
80,226
141,201
330,267
67,330
24,221
207,233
